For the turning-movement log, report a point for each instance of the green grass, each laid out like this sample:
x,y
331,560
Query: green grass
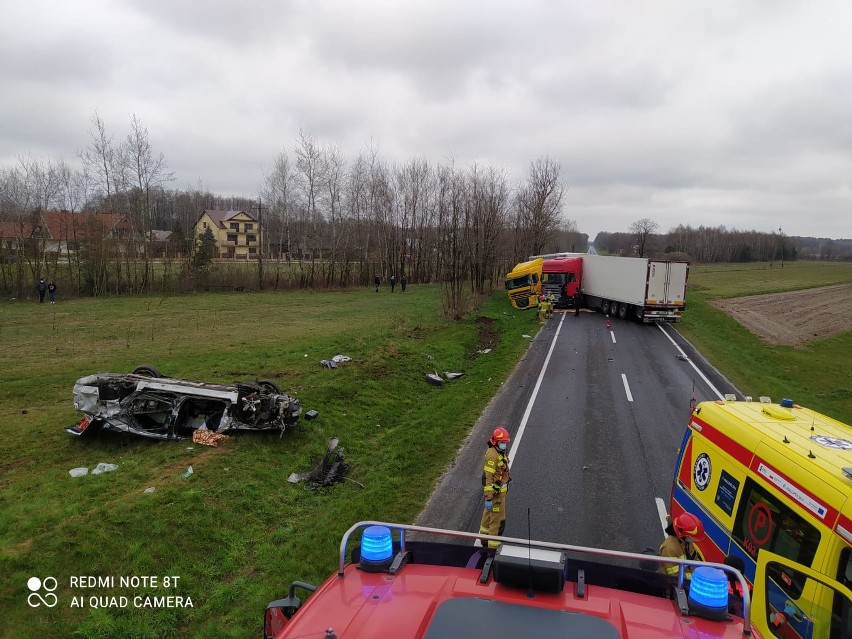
x,y
815,376
236,532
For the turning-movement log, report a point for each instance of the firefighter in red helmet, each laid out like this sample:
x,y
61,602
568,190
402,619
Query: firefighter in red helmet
x,y
495,485
681,535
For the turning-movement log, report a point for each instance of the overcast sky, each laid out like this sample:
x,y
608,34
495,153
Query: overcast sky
x,y
702,113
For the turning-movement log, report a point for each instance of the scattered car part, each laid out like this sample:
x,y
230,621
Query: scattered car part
x,y
450,375
329,470
434,379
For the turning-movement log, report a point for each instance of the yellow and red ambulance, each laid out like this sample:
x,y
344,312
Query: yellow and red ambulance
x,y
772,485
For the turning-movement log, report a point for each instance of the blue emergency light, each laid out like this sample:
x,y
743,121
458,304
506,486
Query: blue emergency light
x,y
376,545
708,592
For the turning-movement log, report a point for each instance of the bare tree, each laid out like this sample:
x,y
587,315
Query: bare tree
x,y
310,168
279,193
148,170
100,158
538,205
642,230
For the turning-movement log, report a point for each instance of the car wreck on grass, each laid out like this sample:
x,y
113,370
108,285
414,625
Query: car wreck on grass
x,y
146,403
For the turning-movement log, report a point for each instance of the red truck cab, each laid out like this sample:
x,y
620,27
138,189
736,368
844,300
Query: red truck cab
x,y
562,278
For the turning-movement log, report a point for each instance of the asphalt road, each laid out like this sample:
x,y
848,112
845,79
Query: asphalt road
x,y
596,415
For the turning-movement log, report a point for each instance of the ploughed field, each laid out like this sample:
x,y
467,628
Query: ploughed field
x,y
794,318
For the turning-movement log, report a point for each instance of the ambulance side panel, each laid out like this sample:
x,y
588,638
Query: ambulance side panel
x,y
708,484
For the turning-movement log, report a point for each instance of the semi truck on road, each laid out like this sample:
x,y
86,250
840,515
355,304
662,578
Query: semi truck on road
x,y
628,287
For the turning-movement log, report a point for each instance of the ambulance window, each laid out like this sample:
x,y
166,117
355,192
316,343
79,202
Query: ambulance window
x,y
789,616
841,616
763,521
844,573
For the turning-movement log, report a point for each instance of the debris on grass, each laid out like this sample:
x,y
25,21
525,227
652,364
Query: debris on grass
x,y
484,351
149,490
188,473
208,438
451,375
330,470
78,472
103,467
435,379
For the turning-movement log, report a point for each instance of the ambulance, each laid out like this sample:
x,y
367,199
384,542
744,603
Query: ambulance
x,y
772,485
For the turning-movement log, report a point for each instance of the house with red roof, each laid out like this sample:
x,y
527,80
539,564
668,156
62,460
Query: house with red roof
x,y
61,232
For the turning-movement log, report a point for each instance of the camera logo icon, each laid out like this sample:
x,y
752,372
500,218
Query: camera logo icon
x,y
36,598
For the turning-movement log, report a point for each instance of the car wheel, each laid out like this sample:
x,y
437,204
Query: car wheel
x,y
269,385
146,370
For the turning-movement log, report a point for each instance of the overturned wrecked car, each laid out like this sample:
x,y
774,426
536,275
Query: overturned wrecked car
x,y
148,404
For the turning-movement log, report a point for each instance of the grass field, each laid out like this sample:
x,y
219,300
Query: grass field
x,y
236,532
815,376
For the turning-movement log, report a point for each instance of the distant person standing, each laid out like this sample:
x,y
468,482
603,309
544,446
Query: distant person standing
x,y
41,287
392,282
51,292
403,283
378,282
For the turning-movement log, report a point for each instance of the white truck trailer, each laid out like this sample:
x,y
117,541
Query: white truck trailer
x,y
635,287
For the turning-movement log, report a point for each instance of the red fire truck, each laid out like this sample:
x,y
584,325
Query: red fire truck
x,y
399,582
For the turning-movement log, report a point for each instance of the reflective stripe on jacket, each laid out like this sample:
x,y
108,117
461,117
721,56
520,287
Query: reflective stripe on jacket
x,y
495,472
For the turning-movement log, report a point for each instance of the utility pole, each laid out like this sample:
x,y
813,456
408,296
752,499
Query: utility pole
x,y
260,234
781,242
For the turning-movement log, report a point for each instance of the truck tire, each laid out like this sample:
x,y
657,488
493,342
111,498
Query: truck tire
x,y
605,307
622,310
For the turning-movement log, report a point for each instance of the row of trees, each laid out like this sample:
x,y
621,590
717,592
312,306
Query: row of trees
x,y
719,244
326,220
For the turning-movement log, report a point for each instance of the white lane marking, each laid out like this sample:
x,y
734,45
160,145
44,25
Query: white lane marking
x,y
661,510
612,334
626,387
691,363
517,441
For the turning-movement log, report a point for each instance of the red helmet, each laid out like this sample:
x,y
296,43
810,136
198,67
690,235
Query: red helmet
x,y
688,525
500,434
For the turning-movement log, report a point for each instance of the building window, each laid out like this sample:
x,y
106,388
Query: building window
x,y
252,250
204,224
249,227
235,226
232,238
251,238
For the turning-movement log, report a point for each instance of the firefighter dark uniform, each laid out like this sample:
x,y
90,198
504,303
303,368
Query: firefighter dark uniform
x,y
495,485
681,534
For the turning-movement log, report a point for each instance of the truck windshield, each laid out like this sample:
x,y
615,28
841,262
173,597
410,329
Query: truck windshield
x,y
517,282
553,278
